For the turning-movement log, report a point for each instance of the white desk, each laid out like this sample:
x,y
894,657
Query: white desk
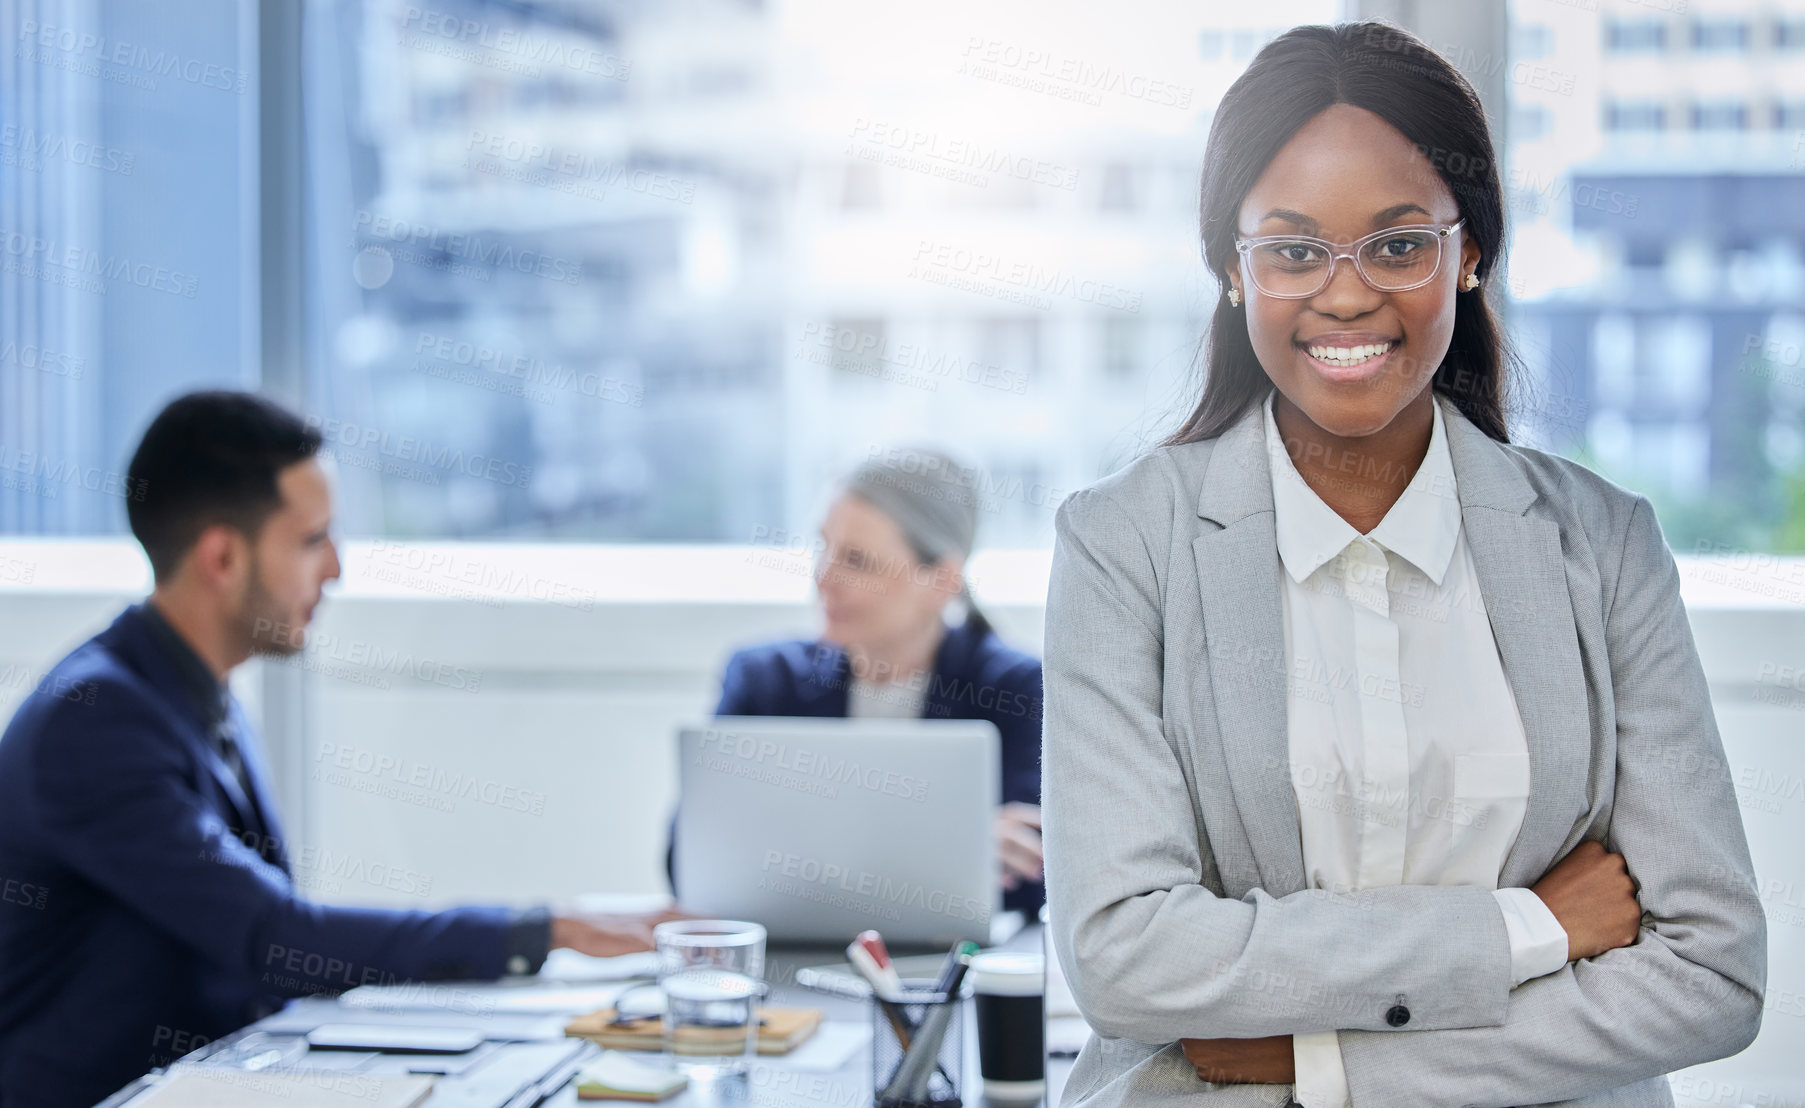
x,y
769,1083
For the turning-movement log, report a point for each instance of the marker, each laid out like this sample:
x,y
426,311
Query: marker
x,y
873,943
898,1022
867,966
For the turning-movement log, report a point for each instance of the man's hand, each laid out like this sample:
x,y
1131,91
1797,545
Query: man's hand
x,y
1593,896
1266,1061
1018,843
606,935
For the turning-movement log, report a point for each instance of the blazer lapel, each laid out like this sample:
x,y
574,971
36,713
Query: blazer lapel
x,y
1244,632
261,802
827,689
1523,582
148,655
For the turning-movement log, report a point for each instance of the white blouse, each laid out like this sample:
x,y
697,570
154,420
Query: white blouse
x,y
1408,759
887,699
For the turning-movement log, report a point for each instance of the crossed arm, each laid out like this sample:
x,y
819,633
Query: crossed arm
x,y
1588,901
1154,955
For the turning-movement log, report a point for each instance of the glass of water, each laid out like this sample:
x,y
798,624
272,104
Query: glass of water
x,y
712,974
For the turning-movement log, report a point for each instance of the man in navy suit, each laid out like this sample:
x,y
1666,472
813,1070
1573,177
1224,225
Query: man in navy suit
x,y
150,902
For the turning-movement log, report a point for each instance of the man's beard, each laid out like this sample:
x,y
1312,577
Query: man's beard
x,y
263,623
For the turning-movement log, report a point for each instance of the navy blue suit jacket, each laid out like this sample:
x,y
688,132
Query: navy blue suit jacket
x,y
975,677
148,905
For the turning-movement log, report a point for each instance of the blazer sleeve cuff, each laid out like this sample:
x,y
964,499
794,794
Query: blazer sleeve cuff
x,y
1538,942
529,940
1319,1080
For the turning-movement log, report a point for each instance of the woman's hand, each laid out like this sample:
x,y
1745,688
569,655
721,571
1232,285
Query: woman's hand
x,y
610,934
1018,843
1264,1061
1592,895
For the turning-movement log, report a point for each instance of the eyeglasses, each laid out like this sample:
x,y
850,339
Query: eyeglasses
x,y
1396,259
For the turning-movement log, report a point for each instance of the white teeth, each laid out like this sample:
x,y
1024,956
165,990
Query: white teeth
x,y
1348,355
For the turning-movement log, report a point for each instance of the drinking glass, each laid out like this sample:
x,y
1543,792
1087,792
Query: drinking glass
x,y
712,973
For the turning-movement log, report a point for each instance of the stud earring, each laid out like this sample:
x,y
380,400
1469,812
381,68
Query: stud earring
x,y
1234,296
1472,281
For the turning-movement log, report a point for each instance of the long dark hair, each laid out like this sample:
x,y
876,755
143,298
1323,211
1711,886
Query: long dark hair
x,y
1396,76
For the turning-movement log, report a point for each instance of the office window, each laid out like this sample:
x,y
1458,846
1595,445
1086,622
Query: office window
x,y
1783,443
1120,191
861,188
602,243
1634,36
1010,342
1693,267
1531,121
1723,116
1003,186
128,239
1614,360
1122,348
1776,361
1531,41
1665,232
1674,356
1675,454
858,348
1643,115
1720,34
1645,253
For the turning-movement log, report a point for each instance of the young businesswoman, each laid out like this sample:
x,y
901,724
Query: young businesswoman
x,y
894,544
1379,759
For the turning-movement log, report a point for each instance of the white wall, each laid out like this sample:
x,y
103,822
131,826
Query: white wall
x,y
465,740
568,705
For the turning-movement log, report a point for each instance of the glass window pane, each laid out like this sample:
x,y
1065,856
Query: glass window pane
x,y
658,272
128,251
1659,227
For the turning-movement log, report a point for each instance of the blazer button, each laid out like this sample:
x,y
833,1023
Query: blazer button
x,y
1398,1016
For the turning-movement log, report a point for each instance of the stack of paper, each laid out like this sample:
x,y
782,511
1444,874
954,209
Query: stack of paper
x,y
197,1087
614,1076
482,998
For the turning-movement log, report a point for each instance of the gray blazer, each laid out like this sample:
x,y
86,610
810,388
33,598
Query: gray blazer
x,y
1174,865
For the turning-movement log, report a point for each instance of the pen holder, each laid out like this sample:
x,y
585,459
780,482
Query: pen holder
x,y
917,1049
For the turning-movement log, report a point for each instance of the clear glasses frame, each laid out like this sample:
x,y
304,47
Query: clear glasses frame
x,y
1243,246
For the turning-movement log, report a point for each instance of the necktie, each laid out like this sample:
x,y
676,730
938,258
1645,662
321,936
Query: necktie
x,y
259,837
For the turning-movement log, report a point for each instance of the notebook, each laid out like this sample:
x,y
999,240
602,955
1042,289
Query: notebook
x,y
780,1031
615,1076
223,1088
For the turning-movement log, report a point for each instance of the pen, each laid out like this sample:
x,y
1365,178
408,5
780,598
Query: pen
x,y
954,964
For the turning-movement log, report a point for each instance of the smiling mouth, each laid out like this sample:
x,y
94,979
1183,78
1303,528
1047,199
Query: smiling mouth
x,y
1344,357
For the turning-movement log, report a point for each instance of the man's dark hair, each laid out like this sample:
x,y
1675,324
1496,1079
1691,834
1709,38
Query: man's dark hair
x,y
211,457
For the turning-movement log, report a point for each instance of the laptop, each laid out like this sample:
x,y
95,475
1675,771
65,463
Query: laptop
x,y
822,828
